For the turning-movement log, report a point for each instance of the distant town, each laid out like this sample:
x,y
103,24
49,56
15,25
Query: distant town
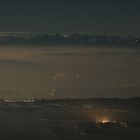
x,y
87,102
69,39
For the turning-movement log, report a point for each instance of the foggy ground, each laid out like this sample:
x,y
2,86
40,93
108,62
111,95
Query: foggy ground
x,y
77,72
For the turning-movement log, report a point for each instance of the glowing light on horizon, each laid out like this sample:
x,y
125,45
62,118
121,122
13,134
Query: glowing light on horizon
x,y
105,121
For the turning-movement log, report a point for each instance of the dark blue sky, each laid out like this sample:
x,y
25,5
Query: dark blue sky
x,y
117,17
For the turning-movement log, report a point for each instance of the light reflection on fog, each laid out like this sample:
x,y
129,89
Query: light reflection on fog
x,y
69,72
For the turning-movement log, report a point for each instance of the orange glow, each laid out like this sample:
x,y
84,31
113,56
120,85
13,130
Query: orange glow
x,y
105,121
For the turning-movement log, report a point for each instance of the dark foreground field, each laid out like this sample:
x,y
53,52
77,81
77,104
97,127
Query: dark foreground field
x,y
70,119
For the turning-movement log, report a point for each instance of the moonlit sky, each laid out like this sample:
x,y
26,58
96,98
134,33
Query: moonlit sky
x,y
112,17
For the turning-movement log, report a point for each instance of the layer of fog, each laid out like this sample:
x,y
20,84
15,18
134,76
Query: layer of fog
x,y
60,72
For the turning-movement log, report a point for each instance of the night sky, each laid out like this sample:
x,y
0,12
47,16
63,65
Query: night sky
x,y
111,17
